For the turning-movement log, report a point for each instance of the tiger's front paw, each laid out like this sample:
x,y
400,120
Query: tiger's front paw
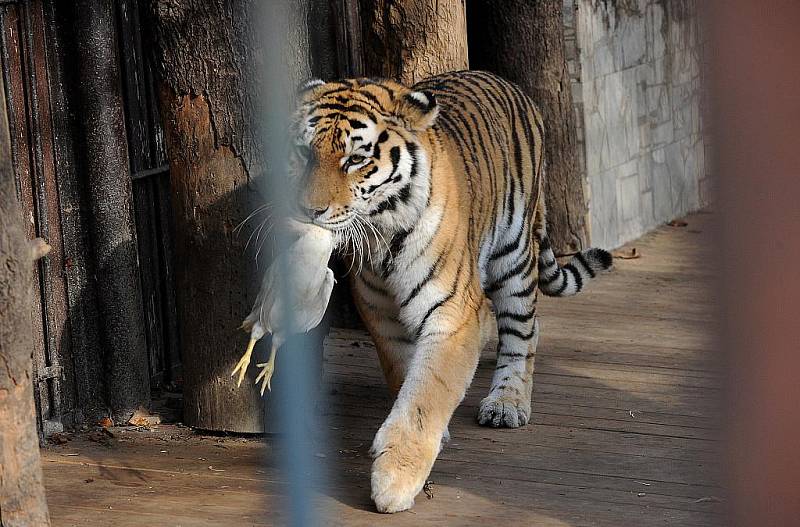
x,y
504,412
402,463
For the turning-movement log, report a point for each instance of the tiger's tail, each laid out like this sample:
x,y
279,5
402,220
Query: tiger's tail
x,y
570,279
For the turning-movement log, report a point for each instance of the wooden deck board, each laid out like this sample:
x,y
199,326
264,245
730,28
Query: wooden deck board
x,y
625,427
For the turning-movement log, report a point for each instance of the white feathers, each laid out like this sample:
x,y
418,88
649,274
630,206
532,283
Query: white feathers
x,y
294,292
296,288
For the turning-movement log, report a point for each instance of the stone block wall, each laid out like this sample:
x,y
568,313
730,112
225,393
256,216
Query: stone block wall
x,y
636,68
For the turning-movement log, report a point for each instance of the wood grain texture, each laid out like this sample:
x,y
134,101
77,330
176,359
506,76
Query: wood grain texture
x,y
22,500
212,56
207,53
624,432
410,40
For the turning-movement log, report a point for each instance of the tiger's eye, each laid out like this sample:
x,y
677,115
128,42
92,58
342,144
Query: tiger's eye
x,y
355,159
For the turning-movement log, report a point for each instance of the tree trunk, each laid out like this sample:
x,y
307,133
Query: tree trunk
x,y
207,54
410,40
523,41
22,499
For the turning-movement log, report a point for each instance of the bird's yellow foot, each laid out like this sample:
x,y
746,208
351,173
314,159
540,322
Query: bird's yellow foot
x,y
243,363
265,375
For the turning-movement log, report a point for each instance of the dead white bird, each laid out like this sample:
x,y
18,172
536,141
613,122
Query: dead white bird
x,y
294,295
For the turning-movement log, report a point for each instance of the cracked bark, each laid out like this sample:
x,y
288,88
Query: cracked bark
x,y
22,498
523,41
410,40
204,62
207,52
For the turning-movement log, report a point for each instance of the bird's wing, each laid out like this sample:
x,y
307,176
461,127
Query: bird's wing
x,y
296,288
264,300
319,305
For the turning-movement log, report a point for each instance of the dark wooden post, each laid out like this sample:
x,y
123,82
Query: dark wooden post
x,y
22,499
409,40
523,41
105,158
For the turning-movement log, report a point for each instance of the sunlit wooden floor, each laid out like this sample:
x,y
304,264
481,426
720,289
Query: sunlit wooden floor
x,y
626,409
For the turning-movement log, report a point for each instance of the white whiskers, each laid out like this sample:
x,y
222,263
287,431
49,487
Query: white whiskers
x,y
377,234
354,241
263,207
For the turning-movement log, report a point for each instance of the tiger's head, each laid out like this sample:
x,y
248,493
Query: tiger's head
x,y
358,153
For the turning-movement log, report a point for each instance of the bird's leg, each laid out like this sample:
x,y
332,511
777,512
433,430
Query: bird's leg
x,y
244,362
267,369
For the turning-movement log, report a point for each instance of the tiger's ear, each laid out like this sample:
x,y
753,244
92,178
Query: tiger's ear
x,y
309,86
417,110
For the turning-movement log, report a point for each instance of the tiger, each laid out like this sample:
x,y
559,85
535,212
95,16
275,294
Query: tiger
x,y
441,186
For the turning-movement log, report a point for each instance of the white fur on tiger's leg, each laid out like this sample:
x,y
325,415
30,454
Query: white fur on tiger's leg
x,y
511,278
509,401
508,404
408,442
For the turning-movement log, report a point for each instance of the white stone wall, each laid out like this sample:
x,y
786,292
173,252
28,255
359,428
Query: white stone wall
x,y
636,74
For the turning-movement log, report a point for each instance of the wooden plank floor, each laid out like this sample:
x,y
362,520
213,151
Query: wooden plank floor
x,y
624,433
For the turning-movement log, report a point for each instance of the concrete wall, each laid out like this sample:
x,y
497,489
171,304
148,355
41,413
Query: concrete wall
x,y
636,71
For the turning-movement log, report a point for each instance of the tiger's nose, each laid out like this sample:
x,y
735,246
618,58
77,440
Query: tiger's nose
x,y
314,213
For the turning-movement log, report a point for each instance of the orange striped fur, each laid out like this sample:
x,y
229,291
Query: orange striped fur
x,y
435,193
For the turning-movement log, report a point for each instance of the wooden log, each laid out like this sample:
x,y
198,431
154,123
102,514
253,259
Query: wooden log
x,y
210,143
410,40
22,499
207,51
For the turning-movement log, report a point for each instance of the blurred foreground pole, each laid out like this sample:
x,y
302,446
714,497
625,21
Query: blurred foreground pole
x,y
523,41
22,499
756,75
291,407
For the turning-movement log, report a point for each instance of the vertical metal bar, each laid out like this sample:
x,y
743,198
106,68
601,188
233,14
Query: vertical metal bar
x,y
144,139
41,227
292,400
52,286
163,214
62,390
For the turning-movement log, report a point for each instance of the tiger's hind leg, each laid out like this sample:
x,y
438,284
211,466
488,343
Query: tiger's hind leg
x,y
508,403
